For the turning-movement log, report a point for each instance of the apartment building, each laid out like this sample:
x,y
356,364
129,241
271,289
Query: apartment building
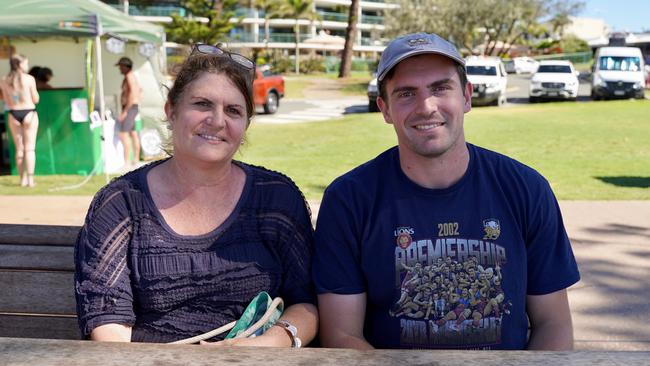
x,y
324,35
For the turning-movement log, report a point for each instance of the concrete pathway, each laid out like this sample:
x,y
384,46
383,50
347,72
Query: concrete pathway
x,y
316,110
611,241
323,101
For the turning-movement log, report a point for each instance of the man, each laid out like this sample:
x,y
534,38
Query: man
x,y
435,196
129,99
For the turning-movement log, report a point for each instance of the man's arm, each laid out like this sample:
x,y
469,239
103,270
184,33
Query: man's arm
x,y
550,320
341,321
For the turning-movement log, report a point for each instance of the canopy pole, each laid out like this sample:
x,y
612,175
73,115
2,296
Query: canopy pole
x,y
100,86
100,76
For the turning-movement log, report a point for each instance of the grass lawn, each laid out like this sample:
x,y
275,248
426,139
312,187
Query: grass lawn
x,y
588,151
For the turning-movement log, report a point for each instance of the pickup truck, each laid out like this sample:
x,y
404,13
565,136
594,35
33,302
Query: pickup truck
x,y
267,91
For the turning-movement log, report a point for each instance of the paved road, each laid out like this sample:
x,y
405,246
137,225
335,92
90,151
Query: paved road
x,y
518,89
309,110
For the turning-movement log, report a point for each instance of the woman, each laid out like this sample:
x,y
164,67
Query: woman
x,y
179,247
18,89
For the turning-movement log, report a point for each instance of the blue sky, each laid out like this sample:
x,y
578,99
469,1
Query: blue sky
x,y
620,15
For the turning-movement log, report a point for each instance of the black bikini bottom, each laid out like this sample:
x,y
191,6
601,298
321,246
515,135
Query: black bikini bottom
x,y
20,114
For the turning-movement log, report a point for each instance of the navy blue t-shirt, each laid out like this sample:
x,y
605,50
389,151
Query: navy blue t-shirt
x,y
133,269
443,268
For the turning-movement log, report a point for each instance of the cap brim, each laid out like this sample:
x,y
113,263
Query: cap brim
x,y
381,76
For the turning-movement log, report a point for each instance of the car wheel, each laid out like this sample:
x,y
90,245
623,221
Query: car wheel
x,y
594,96
372,106
272,103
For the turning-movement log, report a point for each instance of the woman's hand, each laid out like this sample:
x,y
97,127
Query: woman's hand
x,y
303,316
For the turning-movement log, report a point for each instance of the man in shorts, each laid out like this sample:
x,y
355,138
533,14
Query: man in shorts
x,y
129,98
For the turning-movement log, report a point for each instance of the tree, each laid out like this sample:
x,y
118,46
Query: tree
x,y
490,26
561,12
191,29
272,9
350,36
412,16
299,9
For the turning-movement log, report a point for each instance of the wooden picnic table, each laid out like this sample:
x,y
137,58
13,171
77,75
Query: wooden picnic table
x,y
27,351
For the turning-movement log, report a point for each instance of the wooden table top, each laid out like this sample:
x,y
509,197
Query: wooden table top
x,y
25,351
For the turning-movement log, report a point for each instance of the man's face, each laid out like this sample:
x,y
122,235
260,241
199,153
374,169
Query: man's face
x,y
123,69
426,103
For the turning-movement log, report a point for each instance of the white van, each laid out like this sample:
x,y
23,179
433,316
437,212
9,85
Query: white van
x,y
618,73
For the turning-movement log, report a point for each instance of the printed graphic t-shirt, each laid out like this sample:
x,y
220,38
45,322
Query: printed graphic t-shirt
x,y
443,268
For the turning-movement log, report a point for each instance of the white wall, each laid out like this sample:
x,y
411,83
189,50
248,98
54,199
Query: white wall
x,y
64,56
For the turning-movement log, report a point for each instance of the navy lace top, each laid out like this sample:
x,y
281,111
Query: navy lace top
x,y
133,269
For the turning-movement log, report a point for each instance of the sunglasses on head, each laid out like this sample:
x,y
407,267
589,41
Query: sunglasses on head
x,y
207,49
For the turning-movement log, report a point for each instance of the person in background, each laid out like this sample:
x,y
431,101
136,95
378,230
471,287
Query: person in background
x,y
34,71
43,77
18,89
439,218
129,98
180,246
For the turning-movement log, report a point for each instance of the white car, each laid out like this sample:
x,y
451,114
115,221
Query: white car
x,y
554,80
524,65
373,92
489,80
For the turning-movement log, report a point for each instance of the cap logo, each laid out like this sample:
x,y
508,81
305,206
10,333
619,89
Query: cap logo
x,y
418,41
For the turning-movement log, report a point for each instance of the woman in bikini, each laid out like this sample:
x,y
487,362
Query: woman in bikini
x,y
18,89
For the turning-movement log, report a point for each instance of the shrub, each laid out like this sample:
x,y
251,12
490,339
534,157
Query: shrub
x,y
312,65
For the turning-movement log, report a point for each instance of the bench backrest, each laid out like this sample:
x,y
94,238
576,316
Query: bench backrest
x,y
36,281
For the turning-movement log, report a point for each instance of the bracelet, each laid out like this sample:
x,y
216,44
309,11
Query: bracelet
x,y
292,331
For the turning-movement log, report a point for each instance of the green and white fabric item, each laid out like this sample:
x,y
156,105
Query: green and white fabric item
x,y
260,315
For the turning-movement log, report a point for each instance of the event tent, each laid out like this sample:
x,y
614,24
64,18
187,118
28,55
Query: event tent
x,y
76,39
42,18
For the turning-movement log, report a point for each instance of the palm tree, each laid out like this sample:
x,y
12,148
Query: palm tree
x,y
350,35
272,9
299,9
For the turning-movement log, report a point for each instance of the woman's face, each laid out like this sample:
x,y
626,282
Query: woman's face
x,y
209,121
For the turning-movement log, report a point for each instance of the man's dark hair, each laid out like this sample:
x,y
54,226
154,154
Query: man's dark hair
x,y
44,74
381,85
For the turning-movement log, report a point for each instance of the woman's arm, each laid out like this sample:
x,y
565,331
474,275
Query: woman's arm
x,y
35,96
111,333
102,286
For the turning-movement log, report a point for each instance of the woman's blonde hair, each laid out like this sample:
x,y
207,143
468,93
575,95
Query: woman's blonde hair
x,y
15,76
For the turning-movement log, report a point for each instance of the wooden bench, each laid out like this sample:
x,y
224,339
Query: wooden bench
x,y
36,281
15,351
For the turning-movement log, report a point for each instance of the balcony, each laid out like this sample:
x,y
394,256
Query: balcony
x,y
365,41
331,16
154,10
285,37
372,19
248,13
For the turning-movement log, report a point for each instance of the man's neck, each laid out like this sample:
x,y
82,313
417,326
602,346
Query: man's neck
x,y
436,172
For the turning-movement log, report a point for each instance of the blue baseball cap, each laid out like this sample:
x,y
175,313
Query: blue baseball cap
x,y
415,44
